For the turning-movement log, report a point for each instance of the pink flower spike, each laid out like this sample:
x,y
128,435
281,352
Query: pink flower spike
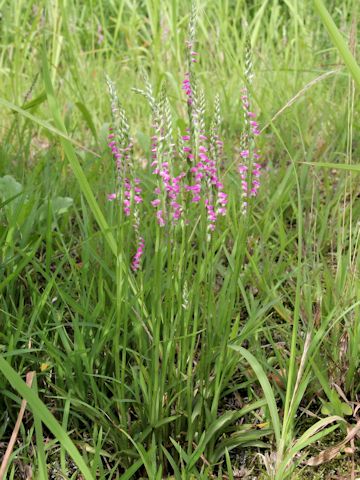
x,y
160,218
111,196
138,255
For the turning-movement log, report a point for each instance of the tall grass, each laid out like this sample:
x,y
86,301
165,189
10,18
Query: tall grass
x,y
246,343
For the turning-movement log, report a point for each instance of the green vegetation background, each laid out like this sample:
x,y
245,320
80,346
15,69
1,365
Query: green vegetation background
x,y
140,384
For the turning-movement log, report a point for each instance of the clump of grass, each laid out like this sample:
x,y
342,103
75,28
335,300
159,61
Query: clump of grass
x,y
130,339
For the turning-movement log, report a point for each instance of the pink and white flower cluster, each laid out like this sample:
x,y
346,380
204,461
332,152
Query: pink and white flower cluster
x,y
197,163
249,169
207,183
129,191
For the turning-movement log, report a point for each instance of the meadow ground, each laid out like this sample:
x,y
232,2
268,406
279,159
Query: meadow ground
x,y
224,343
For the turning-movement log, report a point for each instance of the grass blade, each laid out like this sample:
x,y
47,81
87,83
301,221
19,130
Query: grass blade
x,y
40,444
265,384
335,166
44,415
72,158
42,123
338,40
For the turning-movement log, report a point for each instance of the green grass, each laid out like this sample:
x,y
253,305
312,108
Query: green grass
x,y
248,343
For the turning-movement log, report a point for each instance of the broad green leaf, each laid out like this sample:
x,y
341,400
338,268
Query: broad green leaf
x,y
59,205
9,200
9,187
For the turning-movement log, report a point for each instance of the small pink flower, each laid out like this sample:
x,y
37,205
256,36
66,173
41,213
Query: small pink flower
x,y
160,218
138,255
